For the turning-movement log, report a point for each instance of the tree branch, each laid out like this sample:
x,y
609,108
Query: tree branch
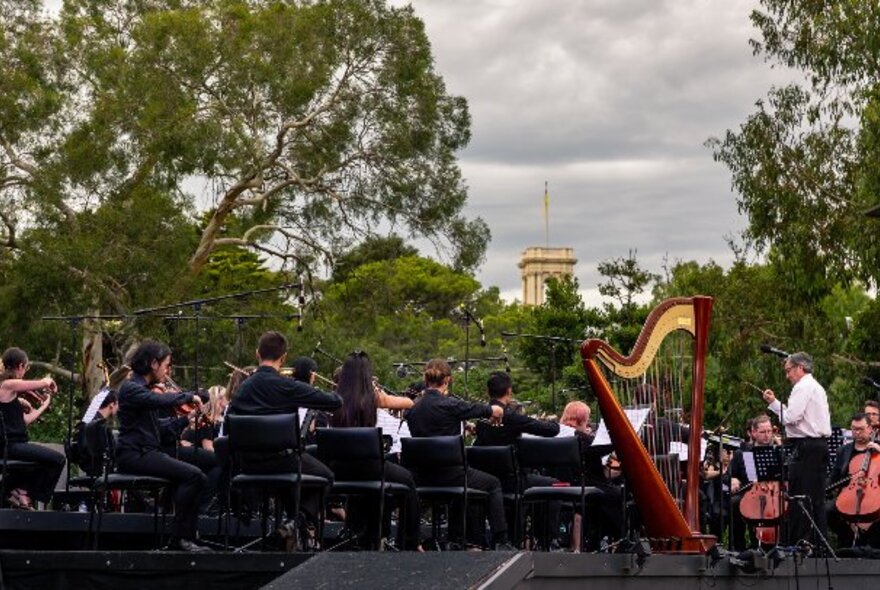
x,y
57,370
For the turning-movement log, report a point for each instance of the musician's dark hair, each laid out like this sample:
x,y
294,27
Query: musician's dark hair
x,y
272,346
303,367
110,398
355,386
859,416
498,384
13,358
236,378
872,403
148,351
436,371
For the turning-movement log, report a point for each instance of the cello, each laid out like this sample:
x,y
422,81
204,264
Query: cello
x,y
859,501
763,505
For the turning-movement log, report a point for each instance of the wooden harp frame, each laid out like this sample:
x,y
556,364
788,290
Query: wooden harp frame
x,y
669,529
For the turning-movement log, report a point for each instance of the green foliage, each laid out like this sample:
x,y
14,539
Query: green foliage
x,y
804,165
373,249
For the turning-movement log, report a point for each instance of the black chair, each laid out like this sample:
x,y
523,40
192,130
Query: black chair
x,y
110,479
440,454
501,462
357,459
268,435
556,454
11,465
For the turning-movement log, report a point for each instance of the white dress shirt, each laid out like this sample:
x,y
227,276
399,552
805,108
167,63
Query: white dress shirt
x,y
806,415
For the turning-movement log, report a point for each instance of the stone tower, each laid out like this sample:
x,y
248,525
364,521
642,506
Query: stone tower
x,y
539,264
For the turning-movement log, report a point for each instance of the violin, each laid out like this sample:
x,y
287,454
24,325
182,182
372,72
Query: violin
x,y
184,409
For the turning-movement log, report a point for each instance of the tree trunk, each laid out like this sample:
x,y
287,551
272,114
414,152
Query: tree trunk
x,y
93,356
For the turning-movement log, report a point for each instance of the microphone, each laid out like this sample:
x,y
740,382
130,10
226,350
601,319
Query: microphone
x,y
870,382
506,364
402,371
482,333
767,349
317,348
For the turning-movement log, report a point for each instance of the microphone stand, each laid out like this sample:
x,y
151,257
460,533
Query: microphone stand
x,y
74,322
197,305
554,341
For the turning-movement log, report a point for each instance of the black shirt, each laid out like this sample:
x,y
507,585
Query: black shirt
x,y
841,466
436,414
267,392
512,427
141,424
12,425
98,441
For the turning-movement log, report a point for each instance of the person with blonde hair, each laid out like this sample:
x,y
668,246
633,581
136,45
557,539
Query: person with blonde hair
x,y
577,415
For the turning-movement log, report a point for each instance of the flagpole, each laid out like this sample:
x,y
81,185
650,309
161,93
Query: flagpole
x,y
546,215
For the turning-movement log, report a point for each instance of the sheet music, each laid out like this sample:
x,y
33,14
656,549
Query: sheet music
x,y
564,432
636,417
393,427
682,449
95,405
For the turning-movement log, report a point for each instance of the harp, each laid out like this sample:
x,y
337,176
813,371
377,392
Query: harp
x,y
677,330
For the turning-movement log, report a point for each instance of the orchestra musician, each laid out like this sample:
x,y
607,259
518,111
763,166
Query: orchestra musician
x,y
437,413
267,392
16,414
361,397
97,436
141,429
863,442
872,411
761,435
513,425
605,514
807,422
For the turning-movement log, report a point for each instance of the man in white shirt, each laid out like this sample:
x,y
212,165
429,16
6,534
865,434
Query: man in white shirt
x,y
807,424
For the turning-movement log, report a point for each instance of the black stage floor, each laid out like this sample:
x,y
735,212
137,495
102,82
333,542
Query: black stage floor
x,y
43,550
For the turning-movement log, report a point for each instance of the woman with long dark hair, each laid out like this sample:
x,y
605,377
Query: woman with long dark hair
x,y
16,414
361,398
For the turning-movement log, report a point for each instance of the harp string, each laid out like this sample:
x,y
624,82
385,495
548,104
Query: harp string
x,y
665,387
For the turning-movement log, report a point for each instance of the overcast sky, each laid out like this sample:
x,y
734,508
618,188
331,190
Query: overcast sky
x,y
611,102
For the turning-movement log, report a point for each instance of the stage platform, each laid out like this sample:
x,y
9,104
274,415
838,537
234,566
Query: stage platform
x,y
69,570
43,550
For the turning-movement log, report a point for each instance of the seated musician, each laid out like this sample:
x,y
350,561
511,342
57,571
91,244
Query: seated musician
x,y
761,435
201,432
437,413
872,411
513,425
361,397
16,415
141,427
267,392
848,533
605,513
97,435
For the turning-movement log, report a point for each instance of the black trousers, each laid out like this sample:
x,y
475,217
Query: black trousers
x,y
478,480
39,482
210,466
187,480
806,477
286,463
364,511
